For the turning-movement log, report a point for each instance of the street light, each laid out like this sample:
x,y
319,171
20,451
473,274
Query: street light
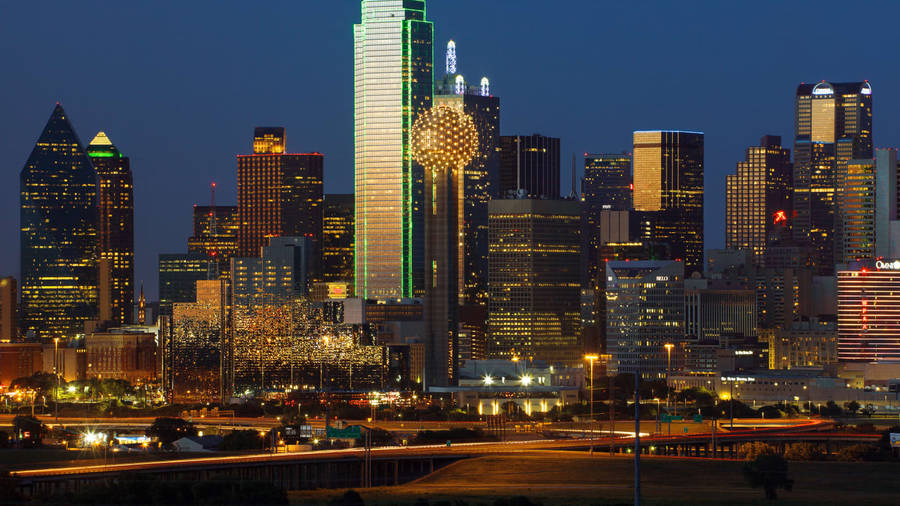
x,y
56,373
591,358
668,347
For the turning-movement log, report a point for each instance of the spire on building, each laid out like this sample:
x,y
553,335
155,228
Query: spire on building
x,y
460,88
451,58
485,87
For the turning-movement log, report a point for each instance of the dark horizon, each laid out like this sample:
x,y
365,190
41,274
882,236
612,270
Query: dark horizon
x,y
181,94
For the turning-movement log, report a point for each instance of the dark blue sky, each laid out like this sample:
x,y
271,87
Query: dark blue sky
x,y
179,86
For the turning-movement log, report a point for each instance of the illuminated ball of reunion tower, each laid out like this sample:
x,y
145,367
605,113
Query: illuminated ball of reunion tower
x,y
444,138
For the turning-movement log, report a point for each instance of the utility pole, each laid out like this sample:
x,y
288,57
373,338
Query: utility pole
x,y
612,413
56,373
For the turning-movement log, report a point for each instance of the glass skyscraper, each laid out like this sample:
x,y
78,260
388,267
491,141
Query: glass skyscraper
x,y
59,238
115,199
833,125
668,188
394,83
758,198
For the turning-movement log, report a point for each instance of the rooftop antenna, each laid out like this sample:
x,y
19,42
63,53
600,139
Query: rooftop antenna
x,y
451,58
574,194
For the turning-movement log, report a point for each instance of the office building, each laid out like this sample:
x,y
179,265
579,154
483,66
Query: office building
x,y
606,185
534,282
805,344
393,85
758,197
278,275
9,309
178,276
529,165
644,312
856,208
215,234
337,238
115,200
198,350
121,354
886,200
19,360
279,194
59,233
668,190
717,314
833,125
868,301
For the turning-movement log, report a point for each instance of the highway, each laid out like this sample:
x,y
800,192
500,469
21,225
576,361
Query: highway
x,y
805,430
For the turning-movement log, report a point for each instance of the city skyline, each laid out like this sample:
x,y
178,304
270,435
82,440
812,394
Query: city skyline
x,y
219,116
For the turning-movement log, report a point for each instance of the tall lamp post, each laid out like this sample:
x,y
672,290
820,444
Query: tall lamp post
x,y
591,358
668,347
56,373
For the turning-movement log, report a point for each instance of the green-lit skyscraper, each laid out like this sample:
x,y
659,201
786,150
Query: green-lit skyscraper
x,y
59,235
393,83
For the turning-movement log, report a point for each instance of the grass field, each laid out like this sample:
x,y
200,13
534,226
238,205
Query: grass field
x,y
562,478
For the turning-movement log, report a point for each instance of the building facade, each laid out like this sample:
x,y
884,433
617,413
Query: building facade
x,y
393,84
668,189
868,303
277,276
279,194
59,233
215,234
198,349
337,238
178,276
529,164
833,125
121,354
115,200
644,312
809,344
856,208
758,197
534,281
9,309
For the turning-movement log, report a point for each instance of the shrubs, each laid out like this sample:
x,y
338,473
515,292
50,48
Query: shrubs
x,y
751,451
242,440
858,453
804,451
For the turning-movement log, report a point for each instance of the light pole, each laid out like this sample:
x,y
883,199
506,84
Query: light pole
x,y
591,358
637,439
668,347
56,373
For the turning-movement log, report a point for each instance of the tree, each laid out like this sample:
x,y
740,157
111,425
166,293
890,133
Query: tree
x,y
752,451
831,409
41,382
858,453
770,472
168,430
852,407
350,498
242,440
803,451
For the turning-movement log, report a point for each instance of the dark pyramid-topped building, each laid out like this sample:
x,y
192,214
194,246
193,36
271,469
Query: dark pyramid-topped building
x,y
115,200
59,233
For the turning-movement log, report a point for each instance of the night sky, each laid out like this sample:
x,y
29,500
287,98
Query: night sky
x,y
179,86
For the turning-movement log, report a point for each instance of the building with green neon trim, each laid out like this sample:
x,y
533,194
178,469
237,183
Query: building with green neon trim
x,y
393,83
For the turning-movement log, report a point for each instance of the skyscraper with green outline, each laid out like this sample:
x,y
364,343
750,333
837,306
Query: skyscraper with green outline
x,y
393,82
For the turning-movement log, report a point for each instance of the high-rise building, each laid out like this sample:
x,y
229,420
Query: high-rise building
x,y
856,212
668,189
115,199
534,307
833,125
868,303
758,197
645,312
197,346
717,314
529,164
886,200
216,230
9,309
278,275
178,276
811,343
393,82
337,238
59,233
475,192
606,185
279,194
